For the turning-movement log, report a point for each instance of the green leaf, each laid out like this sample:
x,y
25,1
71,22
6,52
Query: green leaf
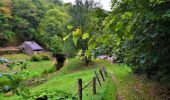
x,y
131,37
129,27
119,26
118,40
99,39
69,27
91,46
124,1
167,14
66,37
75,39
87,53
85,36
126,15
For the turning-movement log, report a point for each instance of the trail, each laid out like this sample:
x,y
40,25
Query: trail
x,y
118,95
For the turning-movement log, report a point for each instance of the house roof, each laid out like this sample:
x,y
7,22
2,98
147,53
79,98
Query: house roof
x,y
33,45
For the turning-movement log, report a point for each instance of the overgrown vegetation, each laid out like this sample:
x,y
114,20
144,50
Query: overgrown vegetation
x,y
141,29
39,58
14,73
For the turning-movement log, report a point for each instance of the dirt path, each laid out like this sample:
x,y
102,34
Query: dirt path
x,y
118,95
3,68
138,88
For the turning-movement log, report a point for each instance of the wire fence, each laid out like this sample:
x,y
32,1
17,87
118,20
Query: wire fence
x,y
93,83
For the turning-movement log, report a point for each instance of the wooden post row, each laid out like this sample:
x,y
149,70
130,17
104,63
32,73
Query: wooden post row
x,y
94,85
100,71
98,78
104,70
80,90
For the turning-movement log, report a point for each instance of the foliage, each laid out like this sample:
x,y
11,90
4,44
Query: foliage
x,y
27,15
53,28
35,58
14,79
31,70
39,57
5,28
20,19
83,22
45,57
57,94
142,30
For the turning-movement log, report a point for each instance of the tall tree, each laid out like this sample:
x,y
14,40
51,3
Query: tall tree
x,y
27,15
82,21
53,27
5,20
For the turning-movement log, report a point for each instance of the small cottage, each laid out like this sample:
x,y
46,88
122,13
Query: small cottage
x,y
31,47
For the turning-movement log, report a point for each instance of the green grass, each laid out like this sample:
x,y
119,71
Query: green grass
x,y
34,69
16,56
66,80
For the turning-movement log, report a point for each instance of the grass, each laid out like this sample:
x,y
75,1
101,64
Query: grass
x,y
130,86
34,69
16,56
66,80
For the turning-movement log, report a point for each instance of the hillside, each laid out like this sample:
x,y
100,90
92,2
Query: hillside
x,y
120,83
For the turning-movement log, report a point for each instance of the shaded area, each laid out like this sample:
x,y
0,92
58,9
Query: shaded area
x,y
60,58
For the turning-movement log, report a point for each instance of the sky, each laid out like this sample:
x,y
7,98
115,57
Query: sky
x,y
106,4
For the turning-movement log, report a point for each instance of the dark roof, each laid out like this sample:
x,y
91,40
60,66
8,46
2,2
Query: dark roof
x,y
33,45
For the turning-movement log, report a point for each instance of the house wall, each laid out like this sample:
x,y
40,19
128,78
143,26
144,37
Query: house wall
x,y
37,52
27,49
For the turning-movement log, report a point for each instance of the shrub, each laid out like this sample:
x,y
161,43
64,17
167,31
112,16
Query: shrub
x,y
35,58
44,57
39,57
52,69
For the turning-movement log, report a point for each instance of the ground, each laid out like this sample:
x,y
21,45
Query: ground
x,y
120,83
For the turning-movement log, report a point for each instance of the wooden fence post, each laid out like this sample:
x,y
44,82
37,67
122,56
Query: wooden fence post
x,y
94,85
100,71
80,90
98,78
104,70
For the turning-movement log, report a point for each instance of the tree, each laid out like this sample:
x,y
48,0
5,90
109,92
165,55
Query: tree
x,y
5,19
142,29
53,27
83,25
27,15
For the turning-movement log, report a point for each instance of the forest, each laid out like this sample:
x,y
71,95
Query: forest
x,y
135,32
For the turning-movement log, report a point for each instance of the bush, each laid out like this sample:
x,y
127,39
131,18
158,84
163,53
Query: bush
x,y
35,58
44,57
50,70
39,57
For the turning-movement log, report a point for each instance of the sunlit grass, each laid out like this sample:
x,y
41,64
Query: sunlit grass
x,y
19,56
66,80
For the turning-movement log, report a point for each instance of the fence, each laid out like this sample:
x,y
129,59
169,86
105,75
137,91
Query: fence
x,y
103,73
